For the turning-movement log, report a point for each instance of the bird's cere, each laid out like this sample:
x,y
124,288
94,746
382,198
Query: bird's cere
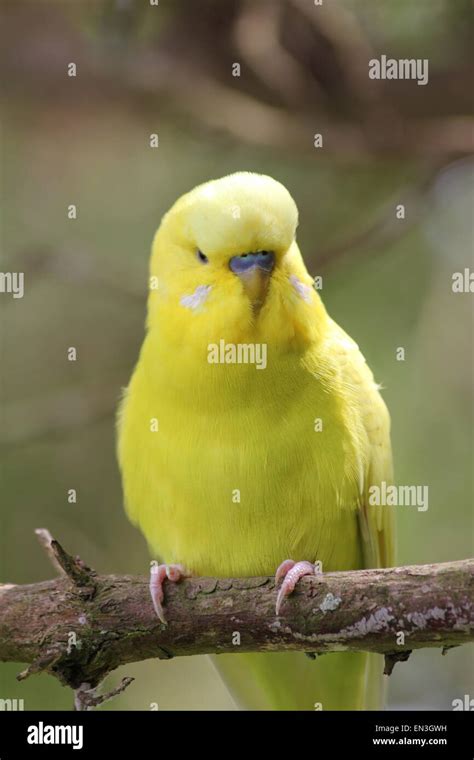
x,y
246,262
195,300
303,290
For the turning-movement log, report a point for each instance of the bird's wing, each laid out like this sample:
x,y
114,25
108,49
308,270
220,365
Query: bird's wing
x,y
377,525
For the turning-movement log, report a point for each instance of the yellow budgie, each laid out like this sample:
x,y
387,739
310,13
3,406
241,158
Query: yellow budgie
x,y
252,429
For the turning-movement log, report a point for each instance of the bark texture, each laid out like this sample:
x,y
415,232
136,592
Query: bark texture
x,y
82,625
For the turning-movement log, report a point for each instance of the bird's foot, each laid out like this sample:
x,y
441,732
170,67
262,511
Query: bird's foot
x,y
158,574
291,572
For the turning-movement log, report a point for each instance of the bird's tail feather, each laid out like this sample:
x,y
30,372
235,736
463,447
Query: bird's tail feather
x,y
292,681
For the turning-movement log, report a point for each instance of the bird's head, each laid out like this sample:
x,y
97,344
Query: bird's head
x,y
225,262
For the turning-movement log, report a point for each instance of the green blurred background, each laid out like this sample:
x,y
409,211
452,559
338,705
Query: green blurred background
x,y
85,140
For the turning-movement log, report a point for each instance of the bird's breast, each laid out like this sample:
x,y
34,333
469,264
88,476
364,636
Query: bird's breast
x,y
235,479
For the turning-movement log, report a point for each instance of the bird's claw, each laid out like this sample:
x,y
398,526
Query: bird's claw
x,y
158,574
291,572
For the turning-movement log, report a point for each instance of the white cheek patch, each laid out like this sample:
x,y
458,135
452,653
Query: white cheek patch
x,y
195,300
303,290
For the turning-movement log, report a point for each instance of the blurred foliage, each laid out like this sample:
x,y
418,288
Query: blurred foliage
x,y
167,69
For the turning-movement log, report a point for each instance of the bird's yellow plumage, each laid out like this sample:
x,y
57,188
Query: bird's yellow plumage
x,y
230,469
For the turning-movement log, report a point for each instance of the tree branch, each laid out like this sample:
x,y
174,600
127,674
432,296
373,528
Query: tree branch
x,y
82,625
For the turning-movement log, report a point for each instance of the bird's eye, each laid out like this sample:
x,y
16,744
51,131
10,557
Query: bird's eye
x,y
202,257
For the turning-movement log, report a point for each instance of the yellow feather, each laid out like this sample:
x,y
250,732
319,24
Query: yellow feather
x,y
238,477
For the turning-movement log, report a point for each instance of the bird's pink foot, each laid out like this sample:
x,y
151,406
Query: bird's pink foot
x,y
291,572
158,574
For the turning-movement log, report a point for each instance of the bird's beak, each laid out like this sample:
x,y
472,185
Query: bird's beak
x,y
254,271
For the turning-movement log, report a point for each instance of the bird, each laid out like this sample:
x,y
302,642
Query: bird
x,y
252,431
